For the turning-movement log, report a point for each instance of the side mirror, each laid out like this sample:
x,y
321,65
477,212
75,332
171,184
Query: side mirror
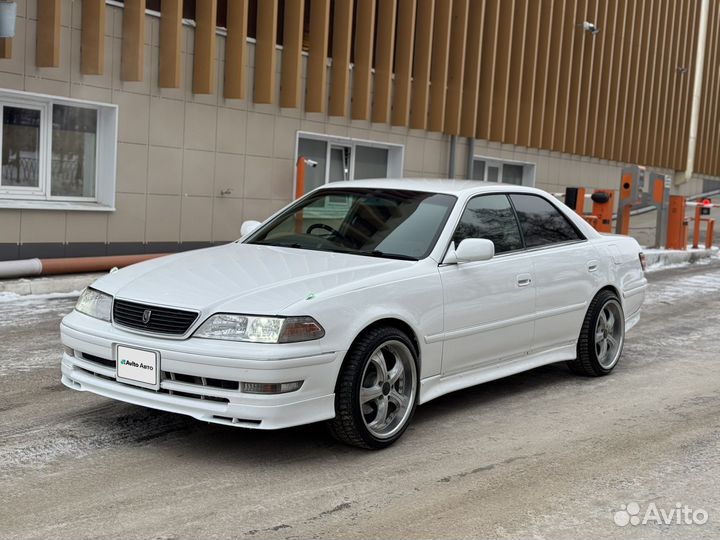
x,y
249,226
471,250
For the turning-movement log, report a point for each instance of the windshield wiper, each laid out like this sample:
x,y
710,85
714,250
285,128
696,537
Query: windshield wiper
x,y
382,254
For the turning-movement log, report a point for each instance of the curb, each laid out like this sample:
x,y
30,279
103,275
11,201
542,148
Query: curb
x,y
48,285
658,259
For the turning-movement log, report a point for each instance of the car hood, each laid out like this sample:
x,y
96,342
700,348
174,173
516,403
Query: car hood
x,y
242,278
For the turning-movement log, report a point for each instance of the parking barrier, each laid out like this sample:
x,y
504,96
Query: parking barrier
x,y
703,208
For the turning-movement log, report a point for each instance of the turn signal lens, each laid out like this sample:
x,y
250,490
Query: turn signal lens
x,y
643,261
270,388
300,329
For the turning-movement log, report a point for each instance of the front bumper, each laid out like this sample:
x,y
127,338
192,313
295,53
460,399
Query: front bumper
x,y
199,378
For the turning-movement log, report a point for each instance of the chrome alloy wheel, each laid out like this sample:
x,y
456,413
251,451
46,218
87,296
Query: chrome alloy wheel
x,y
387,389
609,334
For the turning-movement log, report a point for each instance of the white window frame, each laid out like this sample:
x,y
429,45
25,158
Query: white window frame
x,y
19,197
396,153
528,168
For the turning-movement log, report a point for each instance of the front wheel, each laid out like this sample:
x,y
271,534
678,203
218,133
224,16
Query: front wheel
x,y
377,388
601,338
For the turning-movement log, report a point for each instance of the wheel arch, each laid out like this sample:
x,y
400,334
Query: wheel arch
x,y
613,289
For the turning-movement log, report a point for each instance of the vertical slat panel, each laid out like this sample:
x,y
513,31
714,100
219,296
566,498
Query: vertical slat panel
x,y
661,41
48,33
502,70
92,46
581,40
384,51
264,90
591,54
541,106
553,75
456,66
235,49
570,30
487,68
681,76
316,94
291,70
403,62
439,66
605,146
340,72
133,40
421,64
667,112
707,127
5,48
364,46
471,80
713,141
170,44
205,49
683,118
600,89
515,84
529,81
641,95
621,118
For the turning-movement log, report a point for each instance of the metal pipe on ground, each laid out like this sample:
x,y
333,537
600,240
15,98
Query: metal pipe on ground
x,y
74,265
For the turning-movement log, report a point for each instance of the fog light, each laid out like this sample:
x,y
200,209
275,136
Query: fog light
x,y
270,388
68,350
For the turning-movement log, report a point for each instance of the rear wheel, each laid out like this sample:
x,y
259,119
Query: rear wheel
x,y
376,391
601,338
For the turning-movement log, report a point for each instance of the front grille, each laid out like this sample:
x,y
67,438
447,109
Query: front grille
x,y
162,320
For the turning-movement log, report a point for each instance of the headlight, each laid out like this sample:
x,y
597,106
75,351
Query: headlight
x,y
260,329
95,304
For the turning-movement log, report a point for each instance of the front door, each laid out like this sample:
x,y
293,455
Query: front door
x,y
489,305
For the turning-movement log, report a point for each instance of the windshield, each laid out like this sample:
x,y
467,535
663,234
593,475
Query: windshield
x,y
389,223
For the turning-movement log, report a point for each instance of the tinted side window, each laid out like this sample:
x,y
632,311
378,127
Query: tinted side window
x,y
490,217
541,222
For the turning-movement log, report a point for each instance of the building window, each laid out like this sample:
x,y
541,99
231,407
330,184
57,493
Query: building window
x,y
513,172
57,153
335,159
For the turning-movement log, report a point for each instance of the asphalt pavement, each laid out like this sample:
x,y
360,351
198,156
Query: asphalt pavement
x,y
542,454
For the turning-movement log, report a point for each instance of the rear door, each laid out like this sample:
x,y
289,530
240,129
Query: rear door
x,y
565,267
489,305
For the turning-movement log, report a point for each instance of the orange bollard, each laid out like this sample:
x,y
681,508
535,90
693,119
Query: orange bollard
x,y
696,228
299,191
677,225
709,233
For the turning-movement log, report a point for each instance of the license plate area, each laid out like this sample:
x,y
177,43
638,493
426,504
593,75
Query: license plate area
x,y
140,367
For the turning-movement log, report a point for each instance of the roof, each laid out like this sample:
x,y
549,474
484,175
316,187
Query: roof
x,y
432,185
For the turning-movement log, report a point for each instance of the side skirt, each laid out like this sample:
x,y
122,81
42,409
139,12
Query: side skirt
x,y
439,385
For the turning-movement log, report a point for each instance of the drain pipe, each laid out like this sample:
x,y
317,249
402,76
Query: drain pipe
x,y
470,164
697,91
453,149
74,265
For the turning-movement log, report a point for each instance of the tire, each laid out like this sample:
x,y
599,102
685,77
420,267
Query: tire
x,y
376,391
602,337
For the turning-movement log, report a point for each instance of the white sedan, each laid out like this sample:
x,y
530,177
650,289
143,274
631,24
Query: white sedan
x,y
357,303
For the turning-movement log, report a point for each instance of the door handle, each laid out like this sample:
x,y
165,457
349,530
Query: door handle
x,y
523,280
592,266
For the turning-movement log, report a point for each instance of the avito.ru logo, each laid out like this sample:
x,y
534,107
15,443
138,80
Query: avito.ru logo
x,y
681,514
